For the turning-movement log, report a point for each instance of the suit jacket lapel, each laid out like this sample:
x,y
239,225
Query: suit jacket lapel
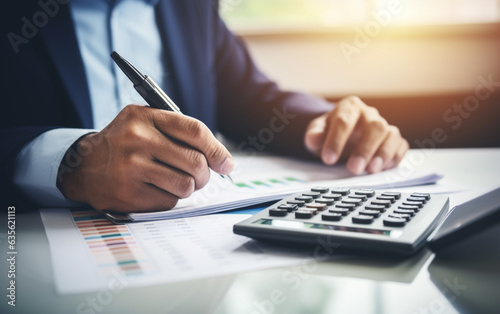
x,y
180,62
60,38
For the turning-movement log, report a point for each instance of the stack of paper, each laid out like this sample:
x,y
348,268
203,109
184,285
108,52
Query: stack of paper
x,y
264,179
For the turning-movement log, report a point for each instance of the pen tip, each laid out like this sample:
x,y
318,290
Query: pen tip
x,y
228,177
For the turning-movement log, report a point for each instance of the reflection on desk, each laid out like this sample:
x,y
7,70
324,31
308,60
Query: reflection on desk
x,y
469,274
348,285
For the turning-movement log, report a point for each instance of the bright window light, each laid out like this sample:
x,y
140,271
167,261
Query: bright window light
x,y
331,13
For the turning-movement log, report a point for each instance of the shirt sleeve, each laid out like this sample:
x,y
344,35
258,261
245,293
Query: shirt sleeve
x,y
37,165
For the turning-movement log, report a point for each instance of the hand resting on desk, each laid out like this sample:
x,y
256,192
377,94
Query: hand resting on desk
x,y
144,160
356,131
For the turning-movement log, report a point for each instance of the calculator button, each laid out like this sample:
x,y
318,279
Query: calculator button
x,y
304,214
306,199
404,211
312,194
325,201
288,207
365,192
337,210
278,212
341,191
331,216
394,222
334,197
358,197
427,196
417,199
382,202
352,201
392,199
401,216
380,208
320,189
419,204
362,219
350,207
295,202
314,211
317,206
396,195
373,213
412,208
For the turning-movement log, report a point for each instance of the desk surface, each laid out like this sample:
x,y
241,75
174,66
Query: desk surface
x,y
420,284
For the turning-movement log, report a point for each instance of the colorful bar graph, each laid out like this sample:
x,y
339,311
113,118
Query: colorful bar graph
x,y
113,247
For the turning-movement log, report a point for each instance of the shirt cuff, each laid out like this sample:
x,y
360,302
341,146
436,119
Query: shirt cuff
x,y
38,163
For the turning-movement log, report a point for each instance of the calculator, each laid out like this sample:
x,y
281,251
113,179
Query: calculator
x,y
358,220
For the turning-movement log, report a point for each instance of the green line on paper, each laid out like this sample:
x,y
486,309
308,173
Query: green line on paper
x,y
260,183
243,185
276,181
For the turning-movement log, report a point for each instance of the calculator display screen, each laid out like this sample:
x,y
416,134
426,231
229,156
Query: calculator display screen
x,y
309,225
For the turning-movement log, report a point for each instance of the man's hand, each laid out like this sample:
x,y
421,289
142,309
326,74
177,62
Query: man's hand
x,y
356,131
144,160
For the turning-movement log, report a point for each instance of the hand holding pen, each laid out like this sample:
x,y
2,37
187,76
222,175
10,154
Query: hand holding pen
x,y
148,89
144,160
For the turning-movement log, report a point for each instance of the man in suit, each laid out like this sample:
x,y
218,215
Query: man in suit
x,y
67,135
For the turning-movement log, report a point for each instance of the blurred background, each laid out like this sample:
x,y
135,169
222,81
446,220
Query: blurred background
x,y
431,67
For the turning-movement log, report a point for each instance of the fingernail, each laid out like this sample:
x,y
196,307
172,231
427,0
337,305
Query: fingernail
x,y
329,157
227,166
376,164
357,164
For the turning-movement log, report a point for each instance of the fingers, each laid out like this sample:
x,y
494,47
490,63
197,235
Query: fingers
x,y
380,147
173,154
358,131
142,184
150,198
400,153
390,152
166,178
315,134
340,125
144,198
375,130
197,135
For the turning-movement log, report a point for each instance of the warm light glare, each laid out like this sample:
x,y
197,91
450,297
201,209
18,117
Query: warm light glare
x,y
318,13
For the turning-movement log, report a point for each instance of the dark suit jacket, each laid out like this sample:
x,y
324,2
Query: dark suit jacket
x,y
44,84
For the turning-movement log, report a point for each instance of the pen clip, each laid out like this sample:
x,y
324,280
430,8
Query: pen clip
x,y
162,94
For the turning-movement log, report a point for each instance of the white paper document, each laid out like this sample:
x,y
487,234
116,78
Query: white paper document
x,y
269,178
90,253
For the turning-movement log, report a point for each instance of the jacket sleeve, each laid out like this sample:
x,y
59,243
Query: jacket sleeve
x,y
33,97
252,109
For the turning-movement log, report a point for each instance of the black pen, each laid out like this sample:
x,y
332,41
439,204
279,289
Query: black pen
x,y
149,90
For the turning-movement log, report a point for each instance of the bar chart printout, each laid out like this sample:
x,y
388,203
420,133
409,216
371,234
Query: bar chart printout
x,y
90,253
112,247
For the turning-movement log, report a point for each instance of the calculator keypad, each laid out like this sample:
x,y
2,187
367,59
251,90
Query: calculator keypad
x,y
357,206
350,219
